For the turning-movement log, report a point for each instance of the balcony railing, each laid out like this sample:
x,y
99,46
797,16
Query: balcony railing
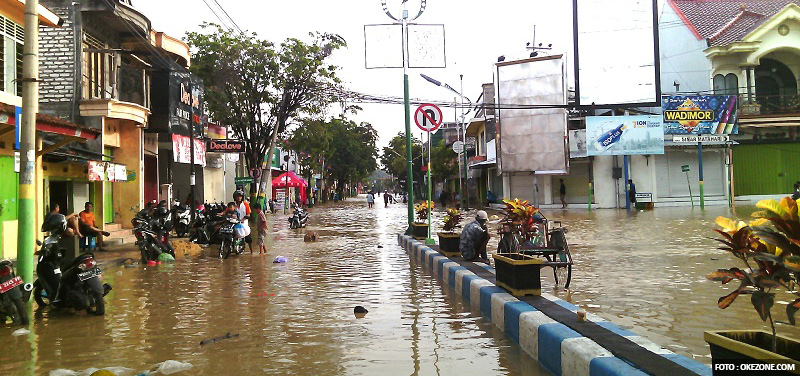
x,y
769,105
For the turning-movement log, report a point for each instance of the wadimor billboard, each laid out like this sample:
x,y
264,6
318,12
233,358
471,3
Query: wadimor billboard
x,y
700,114
624,135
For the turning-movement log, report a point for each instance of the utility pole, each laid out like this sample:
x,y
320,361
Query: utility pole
x,y
193,209
407,106
26,236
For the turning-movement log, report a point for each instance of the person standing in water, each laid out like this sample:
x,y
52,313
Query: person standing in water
x,y
562,190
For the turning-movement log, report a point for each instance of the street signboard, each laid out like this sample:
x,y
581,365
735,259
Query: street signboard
x,y
685,168
700,114
624,135
243,180
428,117
694,139
225,146
458,147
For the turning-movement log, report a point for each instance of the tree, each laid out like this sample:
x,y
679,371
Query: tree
x,y
394,160
258,89
444,162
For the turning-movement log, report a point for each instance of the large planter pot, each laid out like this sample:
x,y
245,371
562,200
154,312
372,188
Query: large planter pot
x,y
419,231
448,243
518,273
753,346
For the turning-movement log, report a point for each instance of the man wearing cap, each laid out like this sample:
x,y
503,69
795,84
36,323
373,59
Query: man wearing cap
x,y
474,238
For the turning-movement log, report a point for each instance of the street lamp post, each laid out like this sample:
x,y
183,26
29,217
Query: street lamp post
x,y
463,132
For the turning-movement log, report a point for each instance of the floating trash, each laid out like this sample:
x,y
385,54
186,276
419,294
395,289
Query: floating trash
x,y
20,332
92,371
166,257
280,260
212,340
360,312
169,367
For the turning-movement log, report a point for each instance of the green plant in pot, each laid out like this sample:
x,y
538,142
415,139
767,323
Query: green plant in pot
x,y
769,251
420,227
448,237
516,272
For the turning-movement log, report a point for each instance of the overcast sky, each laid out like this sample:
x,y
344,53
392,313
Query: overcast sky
x,y
477,32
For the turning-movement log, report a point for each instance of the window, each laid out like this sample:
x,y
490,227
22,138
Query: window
x,y
98,69
11,56
726,85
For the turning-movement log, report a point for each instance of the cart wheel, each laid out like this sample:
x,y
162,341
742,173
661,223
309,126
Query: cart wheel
x,y
563,274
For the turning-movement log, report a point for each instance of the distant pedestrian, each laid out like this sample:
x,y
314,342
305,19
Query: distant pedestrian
x,y
562,190
386,199
632,191
370,199
796,194
443,197
261,226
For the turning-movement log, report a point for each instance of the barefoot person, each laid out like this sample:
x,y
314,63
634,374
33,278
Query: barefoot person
x,y
261,225
88,225
72,220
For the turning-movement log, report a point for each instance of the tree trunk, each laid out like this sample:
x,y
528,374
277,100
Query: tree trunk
x,y
271,153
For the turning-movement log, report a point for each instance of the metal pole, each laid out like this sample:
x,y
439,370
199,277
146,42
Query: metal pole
x,y
458,137
429,240
627,188
191,151
700,173
691,198
407,105
465,188
26,236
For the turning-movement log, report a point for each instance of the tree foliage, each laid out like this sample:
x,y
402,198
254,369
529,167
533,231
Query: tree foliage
x,y
444,162
257,88
394,160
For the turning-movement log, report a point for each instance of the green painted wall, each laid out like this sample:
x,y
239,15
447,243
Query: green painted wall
x,y
765,169
9,192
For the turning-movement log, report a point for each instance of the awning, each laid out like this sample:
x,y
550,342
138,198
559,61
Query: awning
x,y
55,132
289,179
483,165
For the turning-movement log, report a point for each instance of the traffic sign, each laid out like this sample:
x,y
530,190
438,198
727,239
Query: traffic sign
x,y
428,117
243,180
458,147
685,168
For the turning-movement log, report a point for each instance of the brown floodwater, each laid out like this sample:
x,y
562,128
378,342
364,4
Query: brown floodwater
x,y
646,271
293,318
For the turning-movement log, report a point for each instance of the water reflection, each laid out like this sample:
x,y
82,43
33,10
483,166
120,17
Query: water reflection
x,y
293,318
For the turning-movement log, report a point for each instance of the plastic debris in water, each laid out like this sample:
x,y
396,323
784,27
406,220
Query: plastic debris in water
x,y
360,312
169,367
20,332
212,340
166,257
280,260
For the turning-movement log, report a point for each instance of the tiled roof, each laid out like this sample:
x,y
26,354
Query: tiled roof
x,y
726,21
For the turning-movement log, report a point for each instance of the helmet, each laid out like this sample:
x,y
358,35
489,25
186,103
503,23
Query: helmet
x,y
238,192
55,223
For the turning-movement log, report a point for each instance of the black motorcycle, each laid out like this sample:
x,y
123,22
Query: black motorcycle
x,y
78,286
161,224
299,217
146,239
13,295
231,243
181,216
212,220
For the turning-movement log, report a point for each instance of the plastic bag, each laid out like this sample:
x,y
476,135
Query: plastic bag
x,y
166,257
169,367
240,231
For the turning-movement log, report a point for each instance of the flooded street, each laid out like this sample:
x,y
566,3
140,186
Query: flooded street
x,y
644,271
294,318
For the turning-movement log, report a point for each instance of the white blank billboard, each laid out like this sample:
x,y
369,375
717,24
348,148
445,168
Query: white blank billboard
x,y
616,51
533,139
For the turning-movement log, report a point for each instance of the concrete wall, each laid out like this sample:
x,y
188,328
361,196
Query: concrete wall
x,y
57,62
682,56
129,196
605,187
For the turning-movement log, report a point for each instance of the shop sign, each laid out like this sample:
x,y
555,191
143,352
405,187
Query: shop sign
x,y
181,150
700,114
624,135
243,180
120,173
97,171
694,139
226,146
131,175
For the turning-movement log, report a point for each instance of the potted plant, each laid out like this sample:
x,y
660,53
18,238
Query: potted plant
x,y
448,238
419,229
516,272
769,251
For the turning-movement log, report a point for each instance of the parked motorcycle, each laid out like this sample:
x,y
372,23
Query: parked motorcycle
x,y
232,233
299,217
13,295
181,216
161,224
207,229
78,286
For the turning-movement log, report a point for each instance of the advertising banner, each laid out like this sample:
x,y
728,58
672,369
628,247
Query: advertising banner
x,y
225,146
97,171
181,150
700,114
624,135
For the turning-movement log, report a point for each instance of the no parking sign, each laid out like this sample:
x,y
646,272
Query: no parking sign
x,y
428,117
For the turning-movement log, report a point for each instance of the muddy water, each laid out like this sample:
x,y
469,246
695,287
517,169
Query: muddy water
x,y
294,318
646,272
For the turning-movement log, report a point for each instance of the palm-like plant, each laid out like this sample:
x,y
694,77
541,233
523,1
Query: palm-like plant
x,y
452,219
423,209
769,248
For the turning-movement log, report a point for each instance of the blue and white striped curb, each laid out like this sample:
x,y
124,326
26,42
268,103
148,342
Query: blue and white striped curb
x,y
555,346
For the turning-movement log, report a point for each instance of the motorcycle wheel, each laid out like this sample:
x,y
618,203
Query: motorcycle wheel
x,y
225,249
18,314
181,229
39,294
97,306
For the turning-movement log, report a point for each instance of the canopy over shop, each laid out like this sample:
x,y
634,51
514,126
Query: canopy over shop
x,y
289,180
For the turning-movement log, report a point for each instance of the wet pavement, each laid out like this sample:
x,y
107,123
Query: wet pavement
x,y
644,271
293,318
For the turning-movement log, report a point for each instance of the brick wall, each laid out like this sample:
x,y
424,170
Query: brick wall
x,y
57,64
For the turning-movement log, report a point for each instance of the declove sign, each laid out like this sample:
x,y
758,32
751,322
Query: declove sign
x,y
225,146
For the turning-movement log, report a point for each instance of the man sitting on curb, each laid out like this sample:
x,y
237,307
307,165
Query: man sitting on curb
x,y
474,238
88,225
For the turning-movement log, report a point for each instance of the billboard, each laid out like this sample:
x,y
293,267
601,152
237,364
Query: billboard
x,y
700,114
609,71
533,139
624,135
